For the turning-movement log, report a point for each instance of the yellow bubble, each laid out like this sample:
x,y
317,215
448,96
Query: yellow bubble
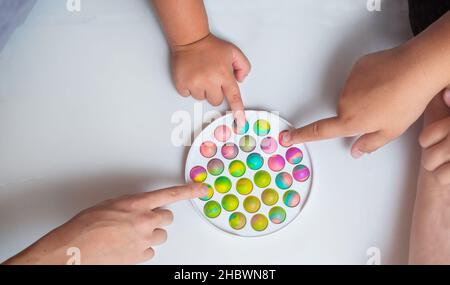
x,y
252,204
244,186
269,197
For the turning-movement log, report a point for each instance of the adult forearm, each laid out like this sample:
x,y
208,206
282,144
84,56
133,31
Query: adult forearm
x,y
183,21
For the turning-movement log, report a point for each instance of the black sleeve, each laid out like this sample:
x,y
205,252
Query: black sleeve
x,y
423,13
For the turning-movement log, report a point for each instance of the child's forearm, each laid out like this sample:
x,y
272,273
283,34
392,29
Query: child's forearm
x,y
429,54
183,21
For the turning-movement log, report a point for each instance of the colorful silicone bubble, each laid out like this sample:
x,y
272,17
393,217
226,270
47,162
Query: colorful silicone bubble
x,y
291,198
281,140
212,209
259,222
236,168
301,173
247,143
229,150
222,133
277,215
255,161
262,179
294,155
215,166
222,184
269,197
237,220
210,193
208,149
244,186
252,204
276,162
230,202
261,127
242,130
283,180
198,174
269,145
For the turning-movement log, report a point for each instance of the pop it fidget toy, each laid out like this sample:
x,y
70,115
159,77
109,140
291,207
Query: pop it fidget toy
x,y
257,184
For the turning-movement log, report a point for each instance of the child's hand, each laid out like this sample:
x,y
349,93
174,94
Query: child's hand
x,y
384,94
119,231
208,69
436,143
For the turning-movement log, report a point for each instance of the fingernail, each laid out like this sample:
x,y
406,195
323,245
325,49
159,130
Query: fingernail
x,y
286,138
356,153
204,190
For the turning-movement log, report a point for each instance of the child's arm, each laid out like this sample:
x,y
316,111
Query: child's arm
x,y
387,92
203,66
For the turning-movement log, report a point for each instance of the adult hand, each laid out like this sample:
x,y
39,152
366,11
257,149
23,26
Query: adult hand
x,y
435,141
117,231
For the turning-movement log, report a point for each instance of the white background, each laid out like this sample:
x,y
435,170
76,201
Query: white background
x,y
85,109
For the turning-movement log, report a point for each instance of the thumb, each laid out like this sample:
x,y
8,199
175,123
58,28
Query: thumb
x,y
241,64
369,143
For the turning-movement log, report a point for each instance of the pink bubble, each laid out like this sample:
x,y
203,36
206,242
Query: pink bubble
x,y
222,133
301,173
229,150
269,145
276,162
208,149
294,155
198,174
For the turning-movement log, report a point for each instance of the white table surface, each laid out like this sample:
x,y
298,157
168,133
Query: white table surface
x,y
85,114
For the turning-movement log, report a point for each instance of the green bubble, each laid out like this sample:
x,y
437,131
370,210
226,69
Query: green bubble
x,y
244,186
230,202
262,179
237,168
269,197
261,127
222,184
252,204
210,193
255,161
212,209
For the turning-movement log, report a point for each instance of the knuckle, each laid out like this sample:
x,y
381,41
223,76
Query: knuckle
x,y
173,193
422,139
167,215
216,100
164,236
140,221
427,162
149,254
442,177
